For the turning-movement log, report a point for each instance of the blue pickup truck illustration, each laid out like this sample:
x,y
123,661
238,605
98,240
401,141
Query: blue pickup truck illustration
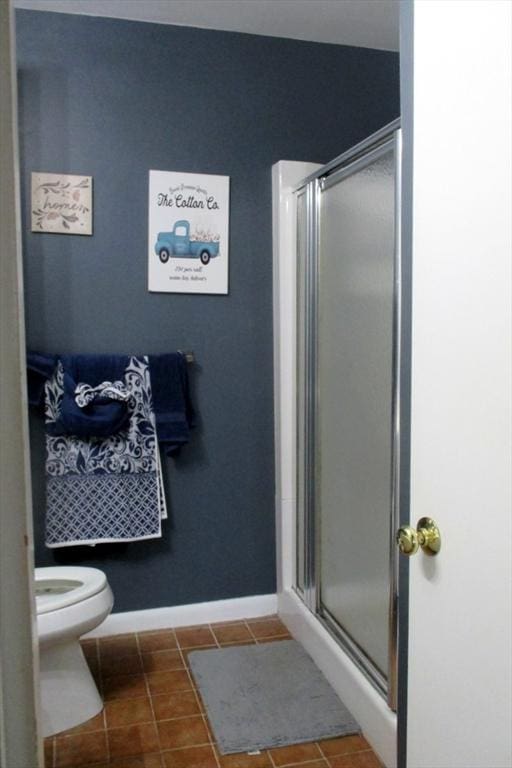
x,y
178,243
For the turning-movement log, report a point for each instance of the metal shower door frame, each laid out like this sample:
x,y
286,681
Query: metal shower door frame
x,y
379,143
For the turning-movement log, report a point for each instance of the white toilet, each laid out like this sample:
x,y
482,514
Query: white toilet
x,y
70,602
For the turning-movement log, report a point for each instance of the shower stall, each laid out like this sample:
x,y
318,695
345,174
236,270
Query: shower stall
x,y
337,302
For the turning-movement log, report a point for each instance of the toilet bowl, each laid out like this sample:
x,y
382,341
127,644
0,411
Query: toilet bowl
x,y
70,602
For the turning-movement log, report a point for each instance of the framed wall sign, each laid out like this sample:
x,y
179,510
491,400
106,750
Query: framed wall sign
x,y
188,244
61,203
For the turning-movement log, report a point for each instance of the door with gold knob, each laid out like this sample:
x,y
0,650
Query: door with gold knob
x,y
457,210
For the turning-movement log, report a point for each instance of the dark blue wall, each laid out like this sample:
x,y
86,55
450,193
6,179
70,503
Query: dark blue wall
x,y
113,99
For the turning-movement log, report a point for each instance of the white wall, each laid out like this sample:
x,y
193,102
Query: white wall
x,y
460,648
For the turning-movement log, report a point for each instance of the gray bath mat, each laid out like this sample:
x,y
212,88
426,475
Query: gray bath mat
x,y
268,695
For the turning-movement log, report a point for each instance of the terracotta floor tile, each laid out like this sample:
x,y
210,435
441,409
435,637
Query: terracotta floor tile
x,y
122,712
343,745
97,765
124,687
209,730
90,648
231,633
215,624
180,704
118,645
278,639
158,661
191,757
120,665
322,763
244,760
99,682
163,640
185,732
186,652
195,637
96,723
140,761
133,740
48,752
356,760
82,749
267,628
168,682
94,666
297,753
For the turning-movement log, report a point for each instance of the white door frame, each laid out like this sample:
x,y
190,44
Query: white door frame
x,y
19,743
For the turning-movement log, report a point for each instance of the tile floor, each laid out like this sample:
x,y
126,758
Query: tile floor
x,y
154,716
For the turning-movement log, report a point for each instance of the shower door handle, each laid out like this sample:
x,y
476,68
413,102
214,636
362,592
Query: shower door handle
x,y
426,536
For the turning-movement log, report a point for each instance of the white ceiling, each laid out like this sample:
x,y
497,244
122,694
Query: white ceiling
x,y
364,23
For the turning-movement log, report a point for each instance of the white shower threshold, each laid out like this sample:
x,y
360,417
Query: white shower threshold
x,y
377,720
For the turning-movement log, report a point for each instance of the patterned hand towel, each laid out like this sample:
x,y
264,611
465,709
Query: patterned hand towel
x,y
104,489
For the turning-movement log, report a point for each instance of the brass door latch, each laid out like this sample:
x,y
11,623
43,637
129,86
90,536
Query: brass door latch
x,y
426,536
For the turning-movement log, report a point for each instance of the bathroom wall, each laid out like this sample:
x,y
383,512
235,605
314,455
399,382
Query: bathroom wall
x,y
113,99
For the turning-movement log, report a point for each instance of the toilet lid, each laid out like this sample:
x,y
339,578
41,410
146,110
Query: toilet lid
x,y
60,586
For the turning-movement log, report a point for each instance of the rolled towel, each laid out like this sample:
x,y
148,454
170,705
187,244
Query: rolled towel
x,y
106,412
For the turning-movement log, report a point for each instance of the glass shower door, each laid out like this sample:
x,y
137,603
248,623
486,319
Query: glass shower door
x,y
301,518
354,411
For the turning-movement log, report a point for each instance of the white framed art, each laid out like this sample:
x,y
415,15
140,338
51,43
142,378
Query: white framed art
x,y
188,241
61,203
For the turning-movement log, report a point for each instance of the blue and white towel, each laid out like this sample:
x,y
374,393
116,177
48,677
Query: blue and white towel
x,y
104,489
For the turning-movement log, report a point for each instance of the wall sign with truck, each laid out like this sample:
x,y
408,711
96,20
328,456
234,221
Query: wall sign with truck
x,y
188,232
182,244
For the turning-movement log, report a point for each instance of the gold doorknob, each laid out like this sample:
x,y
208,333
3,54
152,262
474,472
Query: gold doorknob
x,y
426,536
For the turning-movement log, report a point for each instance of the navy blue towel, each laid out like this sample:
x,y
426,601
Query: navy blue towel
x,y
169,384
39,369
171,399
101,417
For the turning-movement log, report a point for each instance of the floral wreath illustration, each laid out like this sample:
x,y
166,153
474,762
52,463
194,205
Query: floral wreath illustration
x,y
65,190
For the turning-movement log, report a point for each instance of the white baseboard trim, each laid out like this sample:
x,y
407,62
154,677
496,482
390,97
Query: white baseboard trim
x,y
187,615
370,710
